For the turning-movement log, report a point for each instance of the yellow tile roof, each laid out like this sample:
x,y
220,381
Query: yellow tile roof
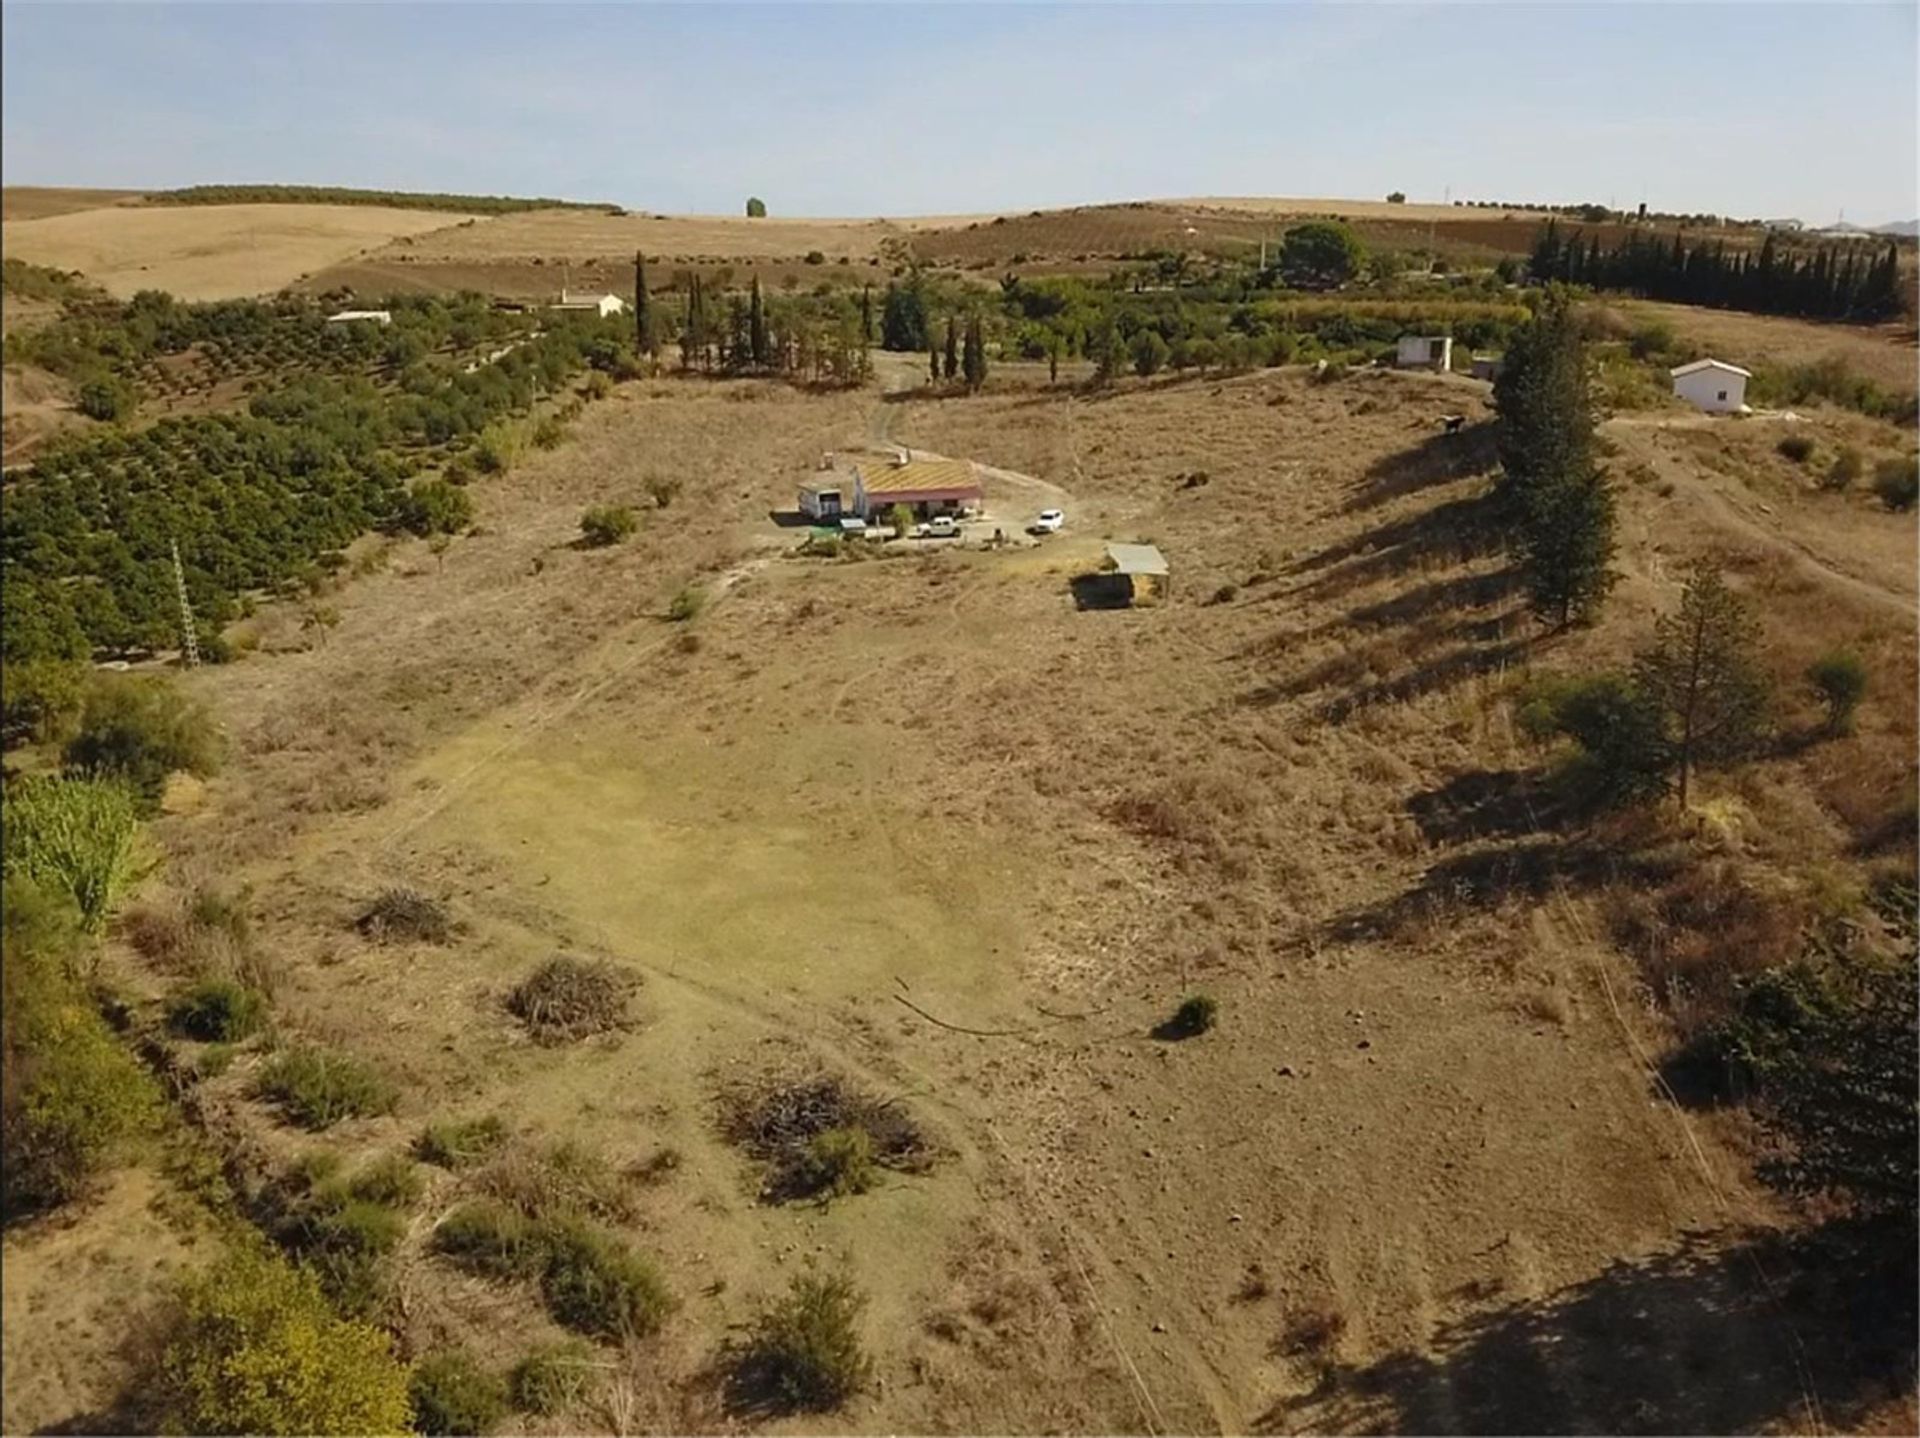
x,y
885,477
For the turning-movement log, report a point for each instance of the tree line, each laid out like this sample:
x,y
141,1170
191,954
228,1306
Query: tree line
x,y
1843,282
345,195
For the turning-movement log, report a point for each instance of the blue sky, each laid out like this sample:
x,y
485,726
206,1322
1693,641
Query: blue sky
x,y
1753,110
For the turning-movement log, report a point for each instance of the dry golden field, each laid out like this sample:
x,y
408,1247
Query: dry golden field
x,y
919,823
207,252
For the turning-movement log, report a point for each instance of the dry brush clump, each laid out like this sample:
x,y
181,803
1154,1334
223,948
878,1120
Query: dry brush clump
x,y
568,998
819,1136
403,915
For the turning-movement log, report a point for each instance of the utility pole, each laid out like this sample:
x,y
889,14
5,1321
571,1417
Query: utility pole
x,y
189,640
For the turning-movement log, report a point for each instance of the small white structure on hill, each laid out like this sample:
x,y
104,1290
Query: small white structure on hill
x,y
379,317
1712,385
1434,352
604,305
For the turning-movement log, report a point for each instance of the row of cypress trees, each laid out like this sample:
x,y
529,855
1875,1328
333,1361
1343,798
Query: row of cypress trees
x,y
1844,282
740,335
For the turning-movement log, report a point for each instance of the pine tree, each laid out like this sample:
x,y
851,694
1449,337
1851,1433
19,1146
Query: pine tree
x,y
951,362
975,360
757,327
1567,538
1563,505
1704,673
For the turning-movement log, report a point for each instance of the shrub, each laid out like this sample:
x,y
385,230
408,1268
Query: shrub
x,y
42,700
1649,339
1195,1015
687,604
561,1179
549,433
804,1351
452,1394
405,914
662,490
1897,482
840,1162
389,1179
598,385
459,1143
317,1088
217,1010
436,506
1846,468
607,524
256,1349
1796,447
1623,751
73,1095
569,998
75,839
551,1379
1839,682
815,257
490,1238
596,1285
105,397
141,730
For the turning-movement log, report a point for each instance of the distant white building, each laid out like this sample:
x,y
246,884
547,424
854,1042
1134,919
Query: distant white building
x,y
379,317
1434,352
1712,385
603,305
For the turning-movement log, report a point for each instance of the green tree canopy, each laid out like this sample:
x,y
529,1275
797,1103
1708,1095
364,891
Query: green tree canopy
x,y
1320,255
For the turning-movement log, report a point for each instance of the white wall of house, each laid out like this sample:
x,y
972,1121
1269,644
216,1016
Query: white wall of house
x,y
1715,388
1425,352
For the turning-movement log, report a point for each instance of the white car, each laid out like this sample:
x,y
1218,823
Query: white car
x,y
941,526
1049,522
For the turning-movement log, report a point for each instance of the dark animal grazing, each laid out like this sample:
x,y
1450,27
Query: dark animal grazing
x,y
1453,422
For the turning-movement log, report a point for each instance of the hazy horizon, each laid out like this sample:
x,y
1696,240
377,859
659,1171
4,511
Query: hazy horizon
x,y
961,109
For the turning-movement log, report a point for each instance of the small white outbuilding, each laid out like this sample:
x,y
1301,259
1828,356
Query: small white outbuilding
x,y
1434,352
1712,385
603,305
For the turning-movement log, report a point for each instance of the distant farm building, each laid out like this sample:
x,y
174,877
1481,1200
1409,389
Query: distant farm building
x,y
378,317
1133,574
1434,352
925,486
1488,367
1712,385
603,305
823,500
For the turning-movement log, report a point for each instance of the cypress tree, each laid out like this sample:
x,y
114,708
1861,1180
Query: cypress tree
x,y
951,366
645,341
866,314
975,360
933,364
757,327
